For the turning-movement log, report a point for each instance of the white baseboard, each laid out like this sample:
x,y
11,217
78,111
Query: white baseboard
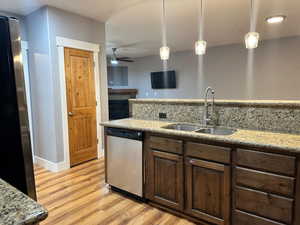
x,y
101,154
53,167
57,167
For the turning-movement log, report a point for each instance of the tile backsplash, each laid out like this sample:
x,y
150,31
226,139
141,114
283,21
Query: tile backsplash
x,y
267,116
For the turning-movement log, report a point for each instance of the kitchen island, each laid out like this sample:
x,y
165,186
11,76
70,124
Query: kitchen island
x,y
248,177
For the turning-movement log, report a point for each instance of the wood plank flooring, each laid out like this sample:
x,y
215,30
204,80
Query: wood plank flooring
x,y
79,196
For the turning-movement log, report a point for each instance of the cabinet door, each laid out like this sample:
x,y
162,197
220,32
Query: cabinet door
x,y
208,191
165,179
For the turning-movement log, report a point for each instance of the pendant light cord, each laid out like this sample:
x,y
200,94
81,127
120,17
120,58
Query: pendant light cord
x,y
201,11
251,15
201,20
164,31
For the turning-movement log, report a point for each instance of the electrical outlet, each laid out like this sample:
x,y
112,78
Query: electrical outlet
x,y
162,115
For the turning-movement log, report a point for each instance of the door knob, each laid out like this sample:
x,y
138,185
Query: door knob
x,y
70,114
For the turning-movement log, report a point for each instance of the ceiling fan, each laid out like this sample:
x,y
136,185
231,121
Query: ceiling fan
x,y
115,60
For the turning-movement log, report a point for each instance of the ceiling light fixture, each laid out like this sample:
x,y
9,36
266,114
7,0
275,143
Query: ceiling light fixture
x,y
114,62
275,19
252,38
164,50
200,45
164,53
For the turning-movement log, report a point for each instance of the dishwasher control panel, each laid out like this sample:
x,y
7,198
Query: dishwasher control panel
x,y
124,133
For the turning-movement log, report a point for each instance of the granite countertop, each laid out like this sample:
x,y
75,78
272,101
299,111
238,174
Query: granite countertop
x,y
289,143
17,208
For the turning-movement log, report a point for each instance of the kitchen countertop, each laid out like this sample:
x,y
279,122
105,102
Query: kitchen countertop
x,y
289,143
17,208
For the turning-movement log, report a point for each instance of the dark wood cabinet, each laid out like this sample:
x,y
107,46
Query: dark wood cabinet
x,y
243,218
273,163
165,179
178,177
208,190
264,204
267,182
264,188
221,185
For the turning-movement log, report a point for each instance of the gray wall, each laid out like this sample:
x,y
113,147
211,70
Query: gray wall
x,y
271,71
69,25
43,26
41,84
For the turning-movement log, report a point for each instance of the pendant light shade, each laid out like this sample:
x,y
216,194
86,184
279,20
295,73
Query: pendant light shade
x,y
164,53
251,40
200,47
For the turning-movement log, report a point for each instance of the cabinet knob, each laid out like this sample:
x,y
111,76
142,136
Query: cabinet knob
x,y
70,114
192,161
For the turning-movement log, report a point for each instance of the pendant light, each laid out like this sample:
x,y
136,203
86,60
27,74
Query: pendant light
x,y
252,38
200,45
164,50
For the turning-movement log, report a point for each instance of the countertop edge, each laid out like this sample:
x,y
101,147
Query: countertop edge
x,y
17,198
35,219
206,137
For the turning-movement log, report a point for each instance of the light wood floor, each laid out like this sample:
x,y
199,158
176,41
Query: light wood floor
x,y
79,196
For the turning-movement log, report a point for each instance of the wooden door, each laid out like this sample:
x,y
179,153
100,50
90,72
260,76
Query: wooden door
x,y
164,183
208,191
81,99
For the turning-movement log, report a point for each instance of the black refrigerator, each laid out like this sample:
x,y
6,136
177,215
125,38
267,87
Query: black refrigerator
x,y
16,164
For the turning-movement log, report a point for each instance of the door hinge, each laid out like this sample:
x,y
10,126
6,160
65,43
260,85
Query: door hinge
x,y
96,103
97,141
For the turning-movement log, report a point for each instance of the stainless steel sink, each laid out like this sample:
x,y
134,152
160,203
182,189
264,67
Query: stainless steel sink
x,y
200,129
183,127
217,131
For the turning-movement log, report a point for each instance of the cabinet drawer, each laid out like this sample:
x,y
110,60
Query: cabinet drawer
x,y
265,205
265,181
266,161
208,152
242,218
166,144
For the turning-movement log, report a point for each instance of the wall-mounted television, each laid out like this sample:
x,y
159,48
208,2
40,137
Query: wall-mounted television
x,y
163,80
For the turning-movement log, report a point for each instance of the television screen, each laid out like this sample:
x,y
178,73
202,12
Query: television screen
x,y
163,80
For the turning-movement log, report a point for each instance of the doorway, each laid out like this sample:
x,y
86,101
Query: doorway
x,y
79,80
81,105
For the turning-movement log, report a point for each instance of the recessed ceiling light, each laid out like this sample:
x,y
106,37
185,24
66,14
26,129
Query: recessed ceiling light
x,y
275,19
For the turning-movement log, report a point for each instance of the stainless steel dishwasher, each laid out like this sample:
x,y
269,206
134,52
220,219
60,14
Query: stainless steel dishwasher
x,y
125,160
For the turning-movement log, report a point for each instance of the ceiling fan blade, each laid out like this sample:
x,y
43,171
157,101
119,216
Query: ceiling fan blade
x,y
126,60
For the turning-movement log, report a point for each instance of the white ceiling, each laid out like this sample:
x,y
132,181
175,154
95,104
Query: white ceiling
x,y
136,23
99,10
226,22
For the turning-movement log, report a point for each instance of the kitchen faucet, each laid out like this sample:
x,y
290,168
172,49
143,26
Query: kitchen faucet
x,y
206,117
